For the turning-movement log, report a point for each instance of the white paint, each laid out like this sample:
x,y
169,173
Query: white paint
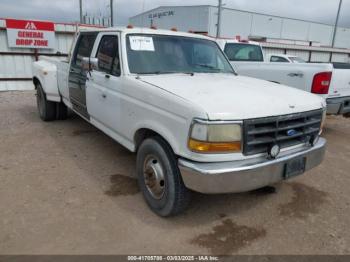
x,y
167,104
279,72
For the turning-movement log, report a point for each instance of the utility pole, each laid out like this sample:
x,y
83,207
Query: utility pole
x,y
112,13
218,31
336,23
81,11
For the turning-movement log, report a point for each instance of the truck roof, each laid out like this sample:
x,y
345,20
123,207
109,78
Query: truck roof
x,y
140,30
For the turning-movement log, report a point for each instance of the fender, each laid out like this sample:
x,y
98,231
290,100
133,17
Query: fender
x,y
46,74
161,130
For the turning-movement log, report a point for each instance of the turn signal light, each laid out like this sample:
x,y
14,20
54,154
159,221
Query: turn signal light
x,y
208,147
321,83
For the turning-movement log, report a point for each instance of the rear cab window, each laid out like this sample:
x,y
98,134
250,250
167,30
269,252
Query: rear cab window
x,y
108,55
278,59
83,48
244,52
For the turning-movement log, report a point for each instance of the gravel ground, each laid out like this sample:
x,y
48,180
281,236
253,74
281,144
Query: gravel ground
x,y
66,188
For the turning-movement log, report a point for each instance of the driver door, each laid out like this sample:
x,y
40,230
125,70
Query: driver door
x,y
77,75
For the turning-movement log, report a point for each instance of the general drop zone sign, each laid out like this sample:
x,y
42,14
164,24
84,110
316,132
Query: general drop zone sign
x,y
30,34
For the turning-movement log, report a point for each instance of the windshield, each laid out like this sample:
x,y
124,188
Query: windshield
x,y
244,52
297,60
163,54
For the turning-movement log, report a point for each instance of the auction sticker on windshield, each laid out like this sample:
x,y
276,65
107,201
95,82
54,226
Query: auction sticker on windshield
x,y
141,43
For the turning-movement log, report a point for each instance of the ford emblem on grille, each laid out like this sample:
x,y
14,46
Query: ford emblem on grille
x,y
291,132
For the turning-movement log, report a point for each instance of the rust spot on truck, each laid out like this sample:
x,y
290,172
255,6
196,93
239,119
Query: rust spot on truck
x,y
122,186
228,238
306,200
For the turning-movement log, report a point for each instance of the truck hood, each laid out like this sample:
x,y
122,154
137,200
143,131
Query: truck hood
x,y
231,97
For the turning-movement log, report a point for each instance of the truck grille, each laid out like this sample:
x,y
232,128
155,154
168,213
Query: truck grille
x,y
286,131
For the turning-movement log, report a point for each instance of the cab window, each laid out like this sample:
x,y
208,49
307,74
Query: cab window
x,y
84,48
278,59
244,52
108,55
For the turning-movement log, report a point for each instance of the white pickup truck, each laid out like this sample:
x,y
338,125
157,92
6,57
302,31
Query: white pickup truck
x,y
338,99
174,99
330,82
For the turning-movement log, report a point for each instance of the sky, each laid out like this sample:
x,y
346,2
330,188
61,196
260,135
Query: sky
x,y
323,11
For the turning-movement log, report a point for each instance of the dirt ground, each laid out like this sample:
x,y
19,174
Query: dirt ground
x,y
66,188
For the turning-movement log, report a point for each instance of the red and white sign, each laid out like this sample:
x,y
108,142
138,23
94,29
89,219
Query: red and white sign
x,y
30,34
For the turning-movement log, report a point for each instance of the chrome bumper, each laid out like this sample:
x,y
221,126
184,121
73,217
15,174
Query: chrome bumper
x,y
246,175
338,106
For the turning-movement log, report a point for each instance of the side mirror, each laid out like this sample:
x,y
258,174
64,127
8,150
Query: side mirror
x,y
90,63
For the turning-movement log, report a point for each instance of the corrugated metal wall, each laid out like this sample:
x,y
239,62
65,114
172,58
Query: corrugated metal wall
x,y
16,63
184,19
237,22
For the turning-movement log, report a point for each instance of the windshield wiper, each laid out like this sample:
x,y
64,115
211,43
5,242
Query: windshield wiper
x,y
209,67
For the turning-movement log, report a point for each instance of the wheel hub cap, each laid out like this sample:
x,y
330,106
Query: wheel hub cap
x,y
154,177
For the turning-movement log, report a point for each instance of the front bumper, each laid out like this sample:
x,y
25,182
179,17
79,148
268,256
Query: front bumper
x,y
338,106
245,175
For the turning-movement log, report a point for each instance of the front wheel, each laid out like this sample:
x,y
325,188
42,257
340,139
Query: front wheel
x,y
160,179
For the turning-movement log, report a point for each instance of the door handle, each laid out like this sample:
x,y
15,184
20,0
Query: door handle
x,y
296,74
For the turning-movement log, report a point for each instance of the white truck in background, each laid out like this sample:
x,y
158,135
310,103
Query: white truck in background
x,y
174,99
338,99
332,82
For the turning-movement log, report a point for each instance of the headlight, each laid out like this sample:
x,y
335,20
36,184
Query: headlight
x,y
215,138
323,123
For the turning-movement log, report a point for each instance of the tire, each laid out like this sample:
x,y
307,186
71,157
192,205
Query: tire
x,y
47,109
62,111
347,115
160,179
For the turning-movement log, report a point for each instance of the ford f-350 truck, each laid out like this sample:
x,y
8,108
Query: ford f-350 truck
x,y
174,99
